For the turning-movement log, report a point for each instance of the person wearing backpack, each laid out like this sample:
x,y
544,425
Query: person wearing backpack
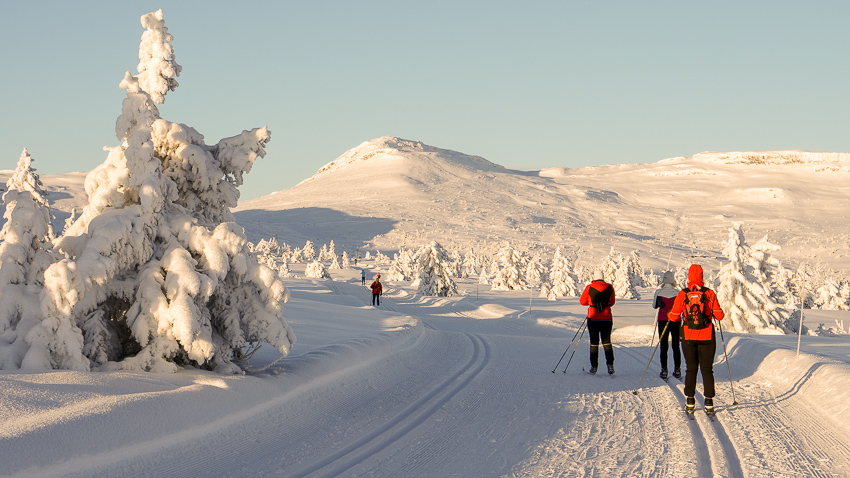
x,y
664,298
695,307
377,289
599,297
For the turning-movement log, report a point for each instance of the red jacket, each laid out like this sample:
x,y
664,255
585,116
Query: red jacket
x,y
592,313
377,288
695,281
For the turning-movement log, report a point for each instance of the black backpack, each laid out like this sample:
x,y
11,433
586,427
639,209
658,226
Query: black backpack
x,y
695,316
600,300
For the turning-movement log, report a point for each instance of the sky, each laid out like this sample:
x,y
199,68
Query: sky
x,y
527,85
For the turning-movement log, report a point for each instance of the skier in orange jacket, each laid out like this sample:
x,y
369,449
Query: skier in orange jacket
x,y
696,306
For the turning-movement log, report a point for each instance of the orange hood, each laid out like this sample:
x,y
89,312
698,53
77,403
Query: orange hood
x,y
695,275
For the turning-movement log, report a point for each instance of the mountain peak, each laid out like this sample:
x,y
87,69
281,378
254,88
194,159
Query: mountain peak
x,y
388,148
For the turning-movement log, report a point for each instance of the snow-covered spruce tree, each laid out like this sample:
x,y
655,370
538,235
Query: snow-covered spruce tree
x,y
332,249
469,267
744,299
432,268
335,263
323,253
620,276
833,294
157,272
510,274
345,262
316,270
562,279
308,252
403,266
535,272
25,252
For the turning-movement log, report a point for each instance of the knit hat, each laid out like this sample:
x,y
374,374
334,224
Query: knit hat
x,y
597,275
668,278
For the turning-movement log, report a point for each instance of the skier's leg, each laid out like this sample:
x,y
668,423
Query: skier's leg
x,y
674,337
707,350
593,331
662,343
690,351
605,332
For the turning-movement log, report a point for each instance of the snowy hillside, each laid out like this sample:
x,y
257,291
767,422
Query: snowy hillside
x,y
390,192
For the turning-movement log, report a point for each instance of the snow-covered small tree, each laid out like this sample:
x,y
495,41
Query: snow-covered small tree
x,y
346,262
432,271
367,256
25,253
619,274
562,279
316,270
335,263
746,300
403,266
469,266
308,252
535,272
833,294
156,271
511,270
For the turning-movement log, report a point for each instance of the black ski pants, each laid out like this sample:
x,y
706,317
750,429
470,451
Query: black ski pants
x,y
376,299
699,355
600,329
672,333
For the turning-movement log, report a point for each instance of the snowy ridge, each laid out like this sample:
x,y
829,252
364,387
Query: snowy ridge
x,y
773,157
407,194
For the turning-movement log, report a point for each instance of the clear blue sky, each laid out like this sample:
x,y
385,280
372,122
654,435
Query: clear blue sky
x,y
524,84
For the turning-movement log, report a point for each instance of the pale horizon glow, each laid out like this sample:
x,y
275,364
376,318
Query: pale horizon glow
x,y
552,84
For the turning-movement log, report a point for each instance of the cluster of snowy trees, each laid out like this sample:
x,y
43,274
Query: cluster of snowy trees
x,y
154,273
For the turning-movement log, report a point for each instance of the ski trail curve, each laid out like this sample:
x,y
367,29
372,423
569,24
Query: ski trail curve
x,y
411,417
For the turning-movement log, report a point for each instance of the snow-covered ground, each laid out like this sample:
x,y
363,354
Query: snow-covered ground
x,y
424,386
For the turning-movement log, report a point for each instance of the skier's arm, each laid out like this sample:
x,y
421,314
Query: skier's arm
x,y
585,297
716,311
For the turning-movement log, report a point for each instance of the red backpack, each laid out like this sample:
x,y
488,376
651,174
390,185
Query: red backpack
x,y
695,316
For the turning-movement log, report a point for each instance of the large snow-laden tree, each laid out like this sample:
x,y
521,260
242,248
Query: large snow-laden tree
x,y
25,252
621,275
743,297
433,266
157,272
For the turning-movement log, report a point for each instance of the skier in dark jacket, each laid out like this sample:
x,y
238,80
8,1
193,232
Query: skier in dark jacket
x,y
377,289
664,298
699,342
599,297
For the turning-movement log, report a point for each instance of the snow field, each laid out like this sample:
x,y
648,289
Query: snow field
x,y
428,386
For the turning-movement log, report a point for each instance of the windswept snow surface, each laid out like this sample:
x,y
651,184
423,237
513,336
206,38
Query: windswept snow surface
x,y
426,386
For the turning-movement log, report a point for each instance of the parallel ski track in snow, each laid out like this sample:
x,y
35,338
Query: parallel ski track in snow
x,y
404,422
709,461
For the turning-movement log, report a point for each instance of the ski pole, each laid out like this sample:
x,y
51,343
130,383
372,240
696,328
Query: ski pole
x,y
651,356
568,346
731,383
576,347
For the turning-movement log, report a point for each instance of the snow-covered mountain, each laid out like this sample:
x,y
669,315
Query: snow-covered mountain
x,y
391,192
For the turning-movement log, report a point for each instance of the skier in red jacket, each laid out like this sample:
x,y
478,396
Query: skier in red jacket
x,y
599,297
377,289
696,306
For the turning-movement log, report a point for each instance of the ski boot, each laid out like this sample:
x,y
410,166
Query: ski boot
x,y
677,372
592,371
663,374
610,369
690,405
709,406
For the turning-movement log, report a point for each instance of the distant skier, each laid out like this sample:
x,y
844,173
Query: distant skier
x,y
362,277
377,289
664,298
697,305
599,297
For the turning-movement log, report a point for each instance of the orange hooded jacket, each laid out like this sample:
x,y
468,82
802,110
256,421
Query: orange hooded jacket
x,y
695,281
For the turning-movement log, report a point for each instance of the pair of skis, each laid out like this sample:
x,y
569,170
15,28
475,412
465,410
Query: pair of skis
x,y
710,415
